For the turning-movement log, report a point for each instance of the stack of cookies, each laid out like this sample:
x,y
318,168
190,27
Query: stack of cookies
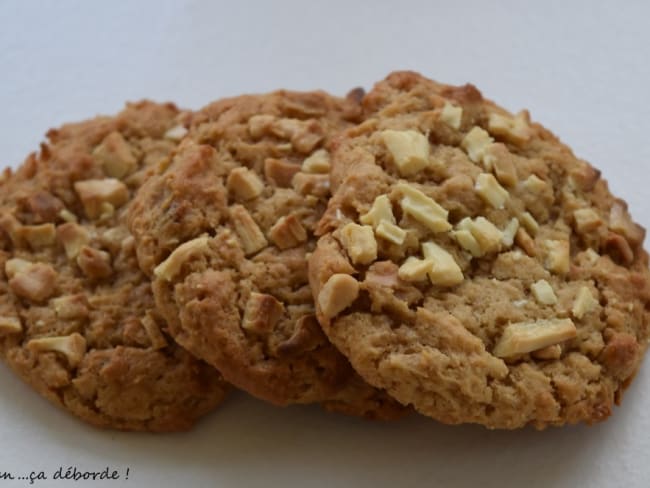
x,y
416,248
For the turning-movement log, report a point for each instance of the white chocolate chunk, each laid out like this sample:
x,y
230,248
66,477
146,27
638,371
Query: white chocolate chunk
x,y
176,133
262,313
514,129
249,233
543,292
244,184
38,236
16,265
414,269
287,232
340,291
380,211
586,219
115,155
94,193
444,271
557,256
359,242
529,223
489,189
535,185
423,208
258,125
509,233
409,148
451,115
171,266
70,306
476,143
524,337
583,303
10,325
468,242
73,347
488,236
317,162
391,232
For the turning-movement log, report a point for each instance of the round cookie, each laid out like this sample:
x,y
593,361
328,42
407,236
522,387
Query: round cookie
x,y
225,229
473,267
77,316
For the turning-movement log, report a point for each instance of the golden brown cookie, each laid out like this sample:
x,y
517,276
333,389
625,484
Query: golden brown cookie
x,y
77,316
225,229
473,267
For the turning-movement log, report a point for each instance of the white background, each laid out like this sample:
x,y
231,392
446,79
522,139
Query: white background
x,y
582,68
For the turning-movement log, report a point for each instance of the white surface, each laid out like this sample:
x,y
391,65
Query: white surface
x,y
582,69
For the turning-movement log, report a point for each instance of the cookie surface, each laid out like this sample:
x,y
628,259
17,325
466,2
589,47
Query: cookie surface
x,y
225,231
473,267
77,316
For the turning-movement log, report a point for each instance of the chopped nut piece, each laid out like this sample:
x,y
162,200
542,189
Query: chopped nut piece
x,y
415,269
618,248
359,242
543,292
94,193
621,223
409,148
280,172
468,242
249,233
509,233
451,115
94,263
311,184
550,352
12,227
115,156
523,337
171,266
584,303
557,256
586,219
38,236
529,223
287,232
380,211
487,235
445,271
107,210
591,256
16,265
535,185
304,135
73,237
35,282
490,190
476,143
244,184
524,241
10,325
340,291
317,162
262,313
70,306
258,125
73,347
513,129
176,133
152,329
497,158
423,208
68,216
391,232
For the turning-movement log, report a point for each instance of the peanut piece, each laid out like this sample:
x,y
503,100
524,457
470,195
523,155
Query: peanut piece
x,y
557,256
584,303
523,337
489,189
38,236
317,162
249,233
10,325
95,193
415,269
73,347
280,172
475,143
311,184
35,281
94,263
287,232
524,241
409,149
423,208
262,313
380,211
451,115
337,294
445,271
359,242
70,306
73,237
16,265
543,292
115,156
244,184
171,266
152,329
258,125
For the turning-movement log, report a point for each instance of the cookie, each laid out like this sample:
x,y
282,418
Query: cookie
x,y
225,229
77,316
473,267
